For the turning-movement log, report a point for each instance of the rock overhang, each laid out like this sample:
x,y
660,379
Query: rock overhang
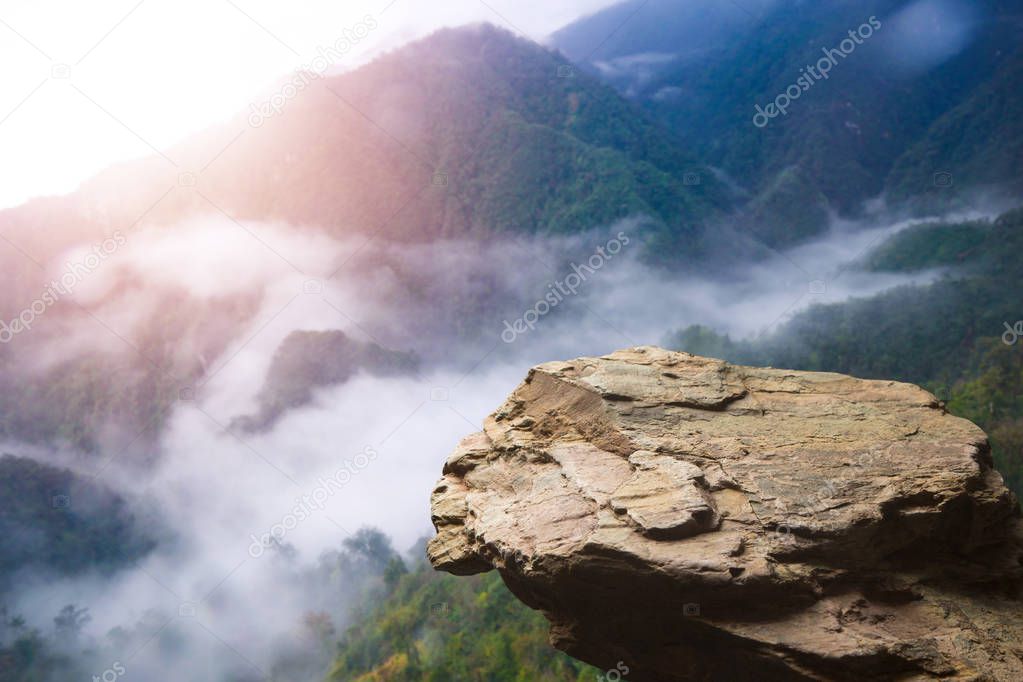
x,y
756,492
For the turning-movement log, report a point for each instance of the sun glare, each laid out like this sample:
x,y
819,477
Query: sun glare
x,y
87,84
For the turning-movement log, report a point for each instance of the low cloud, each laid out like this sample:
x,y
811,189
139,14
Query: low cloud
x,y
234,609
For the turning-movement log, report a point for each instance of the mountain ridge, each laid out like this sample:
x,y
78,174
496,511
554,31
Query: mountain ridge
x,y
880,124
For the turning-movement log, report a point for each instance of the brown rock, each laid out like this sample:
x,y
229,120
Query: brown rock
x,y
695,520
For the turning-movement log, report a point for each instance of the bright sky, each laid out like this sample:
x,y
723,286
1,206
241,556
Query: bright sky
x,y
85,84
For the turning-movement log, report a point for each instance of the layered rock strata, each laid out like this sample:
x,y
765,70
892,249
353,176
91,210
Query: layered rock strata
x,y
689,519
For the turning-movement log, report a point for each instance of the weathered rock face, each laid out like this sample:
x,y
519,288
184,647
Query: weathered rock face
x,y
695,520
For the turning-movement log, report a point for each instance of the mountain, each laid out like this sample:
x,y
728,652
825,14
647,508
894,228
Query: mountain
x,y
978,143
307,360
526,145
632,42
469,133
930,92
105,377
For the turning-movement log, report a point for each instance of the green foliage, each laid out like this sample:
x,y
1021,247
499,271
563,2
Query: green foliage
x,y
991,395
873,126
487,133
434,627
553,154
979,143
28,655
928,245
791,209
73,400
700,340
51,519
55,523
945,336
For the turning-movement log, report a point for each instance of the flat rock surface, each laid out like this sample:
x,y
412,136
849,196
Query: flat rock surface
x,y
696,520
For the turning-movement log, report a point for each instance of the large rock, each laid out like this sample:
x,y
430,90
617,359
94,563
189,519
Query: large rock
x,y
688,519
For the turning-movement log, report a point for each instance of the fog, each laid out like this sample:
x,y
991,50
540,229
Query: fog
x,y
926,33
213,601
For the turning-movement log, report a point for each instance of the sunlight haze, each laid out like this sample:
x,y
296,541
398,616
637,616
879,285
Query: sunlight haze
x,y
102,82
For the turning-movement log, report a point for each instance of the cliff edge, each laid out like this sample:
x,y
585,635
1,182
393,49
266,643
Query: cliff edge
x,y
688,519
